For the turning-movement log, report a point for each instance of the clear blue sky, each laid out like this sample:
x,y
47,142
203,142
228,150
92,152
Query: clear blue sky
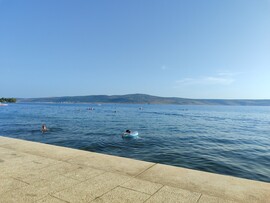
x,y
180,48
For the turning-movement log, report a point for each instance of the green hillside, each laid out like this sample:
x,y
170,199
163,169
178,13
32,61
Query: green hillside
x,y
145,99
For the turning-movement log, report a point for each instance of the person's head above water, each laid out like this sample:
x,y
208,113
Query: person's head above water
x,y
43,128
128,131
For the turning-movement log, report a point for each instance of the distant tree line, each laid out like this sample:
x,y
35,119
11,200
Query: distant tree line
x,y
8,100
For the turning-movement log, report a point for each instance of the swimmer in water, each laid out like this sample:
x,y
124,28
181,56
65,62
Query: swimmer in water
x,y
43,128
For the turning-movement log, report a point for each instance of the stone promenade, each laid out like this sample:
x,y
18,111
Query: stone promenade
x,y
35,172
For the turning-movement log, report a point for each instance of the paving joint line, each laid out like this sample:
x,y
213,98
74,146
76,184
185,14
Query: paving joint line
x,y
111,189
145,170
134,190
199,198
154,193
58,198
105,193
20,180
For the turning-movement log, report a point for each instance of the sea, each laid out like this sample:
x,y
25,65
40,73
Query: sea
x,y
230,140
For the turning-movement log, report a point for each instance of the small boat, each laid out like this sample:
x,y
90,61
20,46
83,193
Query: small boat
x,y
3,104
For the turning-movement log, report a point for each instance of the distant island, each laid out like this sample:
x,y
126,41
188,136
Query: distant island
x,y
7,100
145,99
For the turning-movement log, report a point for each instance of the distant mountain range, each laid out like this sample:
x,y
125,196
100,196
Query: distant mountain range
x,y
146,99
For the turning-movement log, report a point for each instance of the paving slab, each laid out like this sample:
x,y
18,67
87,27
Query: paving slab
x,y
37,191
120,194
91,189
8,154
18,166
169,194
7,140
211,199
35,172
50,199
46,173
112,163
19,158
142,186
7,184
44,150
226,187
83,173
23,166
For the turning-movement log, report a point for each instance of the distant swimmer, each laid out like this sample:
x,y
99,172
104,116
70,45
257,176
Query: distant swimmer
x,y
43,128
128,131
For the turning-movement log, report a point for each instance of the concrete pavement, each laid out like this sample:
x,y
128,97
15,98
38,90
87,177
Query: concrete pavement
x,y
36,172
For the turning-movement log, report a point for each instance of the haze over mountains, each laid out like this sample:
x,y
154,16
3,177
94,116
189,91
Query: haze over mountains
x,y
145,99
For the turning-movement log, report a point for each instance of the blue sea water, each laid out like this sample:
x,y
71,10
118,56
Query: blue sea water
x,y
231,140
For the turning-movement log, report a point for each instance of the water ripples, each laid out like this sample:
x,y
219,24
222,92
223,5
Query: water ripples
x,y
220,139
